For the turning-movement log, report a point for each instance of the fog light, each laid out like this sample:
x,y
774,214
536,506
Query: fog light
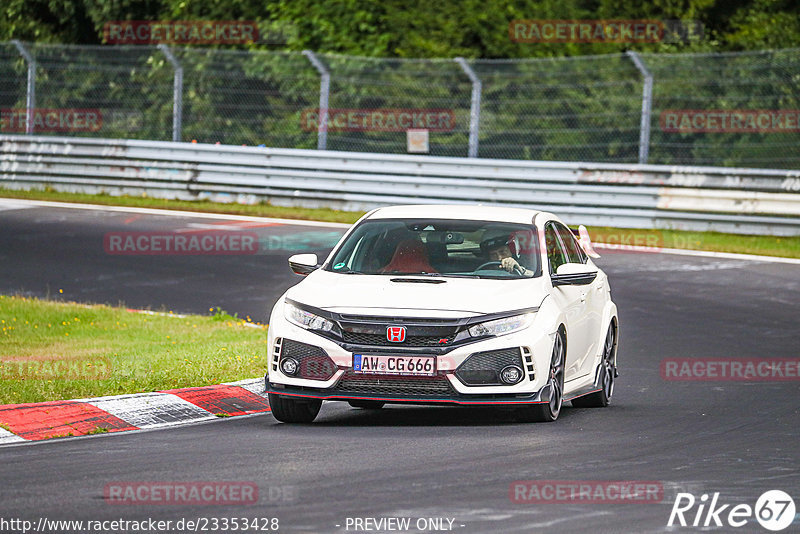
x,y
290,366
511,374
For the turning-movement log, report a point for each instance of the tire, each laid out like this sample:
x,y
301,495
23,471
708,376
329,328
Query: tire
x,y
366,404
608,372
288,410
545,413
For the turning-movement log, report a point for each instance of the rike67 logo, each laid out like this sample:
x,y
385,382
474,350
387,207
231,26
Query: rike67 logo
x,y
774,510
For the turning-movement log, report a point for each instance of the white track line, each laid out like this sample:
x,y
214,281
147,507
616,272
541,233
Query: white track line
x,y
173,213
7,204
699,253
9,437
298,222
179,315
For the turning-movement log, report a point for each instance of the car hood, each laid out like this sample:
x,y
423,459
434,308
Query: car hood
x,y
455,297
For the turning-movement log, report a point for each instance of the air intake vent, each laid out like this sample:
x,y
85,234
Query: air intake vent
x,y
276,353
483,368
529,366
410,341
352,382
315,364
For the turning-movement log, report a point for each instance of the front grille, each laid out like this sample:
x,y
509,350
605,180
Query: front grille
x,y
483,368
410,341
315,364
394,385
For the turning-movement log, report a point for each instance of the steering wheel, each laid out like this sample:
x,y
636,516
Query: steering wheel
x,y
499,265
496,264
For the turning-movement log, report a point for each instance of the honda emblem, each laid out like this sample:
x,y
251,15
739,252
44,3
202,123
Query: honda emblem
x,y
396,334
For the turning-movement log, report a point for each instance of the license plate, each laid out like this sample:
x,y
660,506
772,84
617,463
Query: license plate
x,y
394,365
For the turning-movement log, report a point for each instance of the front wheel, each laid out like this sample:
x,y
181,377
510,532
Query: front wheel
x,y
288,410
608,372
544,413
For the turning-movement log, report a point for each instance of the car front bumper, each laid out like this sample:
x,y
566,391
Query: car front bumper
x,y
341,383
540,397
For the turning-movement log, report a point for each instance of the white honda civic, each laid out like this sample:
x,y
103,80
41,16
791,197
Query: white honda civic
x,y
446,305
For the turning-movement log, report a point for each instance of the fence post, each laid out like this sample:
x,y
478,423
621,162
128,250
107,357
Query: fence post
x,y
324,92
475,106
177,92
647,103
30,99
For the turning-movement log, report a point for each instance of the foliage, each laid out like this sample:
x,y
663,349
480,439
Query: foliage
x,y
417,28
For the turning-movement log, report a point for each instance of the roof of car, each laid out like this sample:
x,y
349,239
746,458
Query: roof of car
x,y
458,211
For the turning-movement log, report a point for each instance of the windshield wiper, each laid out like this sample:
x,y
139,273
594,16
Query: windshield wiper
x,y
438,275
400,273
435,275
418,281
501,277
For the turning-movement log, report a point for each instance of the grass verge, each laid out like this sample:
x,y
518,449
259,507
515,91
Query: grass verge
x,y
63,350
788,247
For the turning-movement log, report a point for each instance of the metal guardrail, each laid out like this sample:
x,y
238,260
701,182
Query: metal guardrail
x,y
747,201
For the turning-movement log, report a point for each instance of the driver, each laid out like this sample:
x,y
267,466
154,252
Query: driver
x,y
496,246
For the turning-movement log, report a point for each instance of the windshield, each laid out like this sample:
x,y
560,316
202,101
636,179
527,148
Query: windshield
x,y
479,249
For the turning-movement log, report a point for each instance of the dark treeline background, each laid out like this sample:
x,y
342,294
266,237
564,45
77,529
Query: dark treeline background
x,y
417,28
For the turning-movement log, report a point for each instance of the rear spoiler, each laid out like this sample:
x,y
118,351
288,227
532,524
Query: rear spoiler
x,y
586,242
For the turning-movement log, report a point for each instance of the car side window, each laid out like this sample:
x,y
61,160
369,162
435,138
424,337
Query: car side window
x,y
555,253
571,247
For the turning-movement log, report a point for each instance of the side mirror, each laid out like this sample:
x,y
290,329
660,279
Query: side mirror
x,y
573,274
304,263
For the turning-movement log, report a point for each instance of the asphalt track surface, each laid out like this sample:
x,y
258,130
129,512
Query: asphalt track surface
x,y
736,438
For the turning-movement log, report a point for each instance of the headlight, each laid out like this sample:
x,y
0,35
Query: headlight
x,y
306,319
499,327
